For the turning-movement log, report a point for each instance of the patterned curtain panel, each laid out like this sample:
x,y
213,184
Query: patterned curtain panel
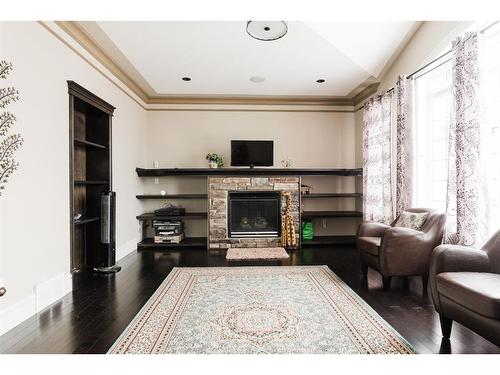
x,y
464,145
377,194
404,144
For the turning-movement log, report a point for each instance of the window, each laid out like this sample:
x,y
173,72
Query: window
x,y
432,113
433,105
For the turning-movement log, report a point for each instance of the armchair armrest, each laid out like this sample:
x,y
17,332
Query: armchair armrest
x,y
372,229
453,258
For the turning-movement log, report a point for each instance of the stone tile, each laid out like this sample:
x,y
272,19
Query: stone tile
x,y
218,223
218,194
259,181
285,186
259,187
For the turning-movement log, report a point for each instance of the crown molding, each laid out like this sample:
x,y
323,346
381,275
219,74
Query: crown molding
x,y
365,93
251,100
90,45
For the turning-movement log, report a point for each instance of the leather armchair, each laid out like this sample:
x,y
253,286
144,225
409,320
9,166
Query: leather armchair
x,y
465,287
398,251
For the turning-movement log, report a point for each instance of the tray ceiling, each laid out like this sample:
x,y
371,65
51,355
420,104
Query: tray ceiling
x,y
220,58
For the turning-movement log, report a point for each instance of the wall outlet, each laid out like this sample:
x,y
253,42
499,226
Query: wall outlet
x,y
323,223
157,180
156,164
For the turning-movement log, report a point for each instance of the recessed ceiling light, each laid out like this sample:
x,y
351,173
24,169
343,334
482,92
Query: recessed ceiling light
x,y
267,30
257,79
186,79
320,80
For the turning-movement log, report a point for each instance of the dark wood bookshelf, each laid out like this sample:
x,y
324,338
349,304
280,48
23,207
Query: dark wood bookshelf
x,y
172,196
81,142
325,214
86,220
90,175
159,172
194,242
331,195
188,215
329,240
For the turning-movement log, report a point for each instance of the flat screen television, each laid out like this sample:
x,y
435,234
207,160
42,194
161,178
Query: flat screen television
x,y
252,153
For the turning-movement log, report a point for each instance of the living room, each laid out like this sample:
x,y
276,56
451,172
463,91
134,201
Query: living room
x,y
252,186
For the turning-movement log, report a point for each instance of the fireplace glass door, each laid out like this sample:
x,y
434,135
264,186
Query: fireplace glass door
x,y
254,214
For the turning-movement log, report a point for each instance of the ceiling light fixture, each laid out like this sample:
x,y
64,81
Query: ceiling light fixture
x,y
187,79
257,79
267,30
320,80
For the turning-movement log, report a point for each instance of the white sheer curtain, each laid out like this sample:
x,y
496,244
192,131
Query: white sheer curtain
x,y
377,182
473,186
404,143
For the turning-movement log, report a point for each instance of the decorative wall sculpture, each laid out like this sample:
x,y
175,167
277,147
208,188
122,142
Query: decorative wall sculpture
x,y
9,144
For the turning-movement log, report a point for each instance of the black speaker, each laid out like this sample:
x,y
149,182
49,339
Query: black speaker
x,y
108,233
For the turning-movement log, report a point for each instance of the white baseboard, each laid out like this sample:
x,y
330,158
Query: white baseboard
x,y
17,313
44,294
51,290
125,249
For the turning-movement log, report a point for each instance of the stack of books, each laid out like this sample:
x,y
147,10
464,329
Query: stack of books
x,y
168,231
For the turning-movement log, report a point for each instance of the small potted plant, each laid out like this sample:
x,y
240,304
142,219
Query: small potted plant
x,y
215,161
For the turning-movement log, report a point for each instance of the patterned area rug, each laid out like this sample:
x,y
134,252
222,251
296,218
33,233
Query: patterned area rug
x,y
304,309
257,253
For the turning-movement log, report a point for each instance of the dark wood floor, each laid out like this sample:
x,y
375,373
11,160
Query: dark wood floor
x,y
91,318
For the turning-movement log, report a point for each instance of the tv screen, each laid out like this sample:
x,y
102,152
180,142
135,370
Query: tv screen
x,y
252,153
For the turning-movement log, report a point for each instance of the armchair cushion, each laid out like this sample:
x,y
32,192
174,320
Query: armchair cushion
x,y
477,291
411,220
370,244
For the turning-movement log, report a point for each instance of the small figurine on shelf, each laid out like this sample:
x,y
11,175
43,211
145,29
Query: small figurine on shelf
x,y
286,163
215,160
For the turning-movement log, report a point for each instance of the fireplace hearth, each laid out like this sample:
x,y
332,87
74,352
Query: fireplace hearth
x,y
254,214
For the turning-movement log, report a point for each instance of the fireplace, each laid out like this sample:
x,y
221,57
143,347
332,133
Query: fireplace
x,y
254,214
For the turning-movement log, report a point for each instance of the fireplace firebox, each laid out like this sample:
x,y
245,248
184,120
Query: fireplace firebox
x,y
254,214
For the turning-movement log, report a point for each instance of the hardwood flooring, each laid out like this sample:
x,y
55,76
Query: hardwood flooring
x,y
91,318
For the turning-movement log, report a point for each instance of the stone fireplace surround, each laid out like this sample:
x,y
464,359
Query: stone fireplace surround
x,y
218,188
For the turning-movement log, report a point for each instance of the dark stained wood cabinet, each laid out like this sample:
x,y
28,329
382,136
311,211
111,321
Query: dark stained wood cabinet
x,y
90,173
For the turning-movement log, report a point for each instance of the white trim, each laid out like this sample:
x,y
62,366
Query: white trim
x,y
44,294
17,313
125,249
51,290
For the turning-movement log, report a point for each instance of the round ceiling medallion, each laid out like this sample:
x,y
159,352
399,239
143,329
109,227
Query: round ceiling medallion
x,y
267,30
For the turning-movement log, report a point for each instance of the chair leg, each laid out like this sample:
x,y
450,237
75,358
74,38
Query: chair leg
x,y
364,273
386,281
364,270
446,324
406,283
425,283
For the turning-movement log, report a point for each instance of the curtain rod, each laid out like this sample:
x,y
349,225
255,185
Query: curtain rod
x,y
429,64
447,53
438,58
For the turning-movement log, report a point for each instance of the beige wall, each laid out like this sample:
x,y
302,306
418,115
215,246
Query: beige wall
x,y
34,208
309,139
